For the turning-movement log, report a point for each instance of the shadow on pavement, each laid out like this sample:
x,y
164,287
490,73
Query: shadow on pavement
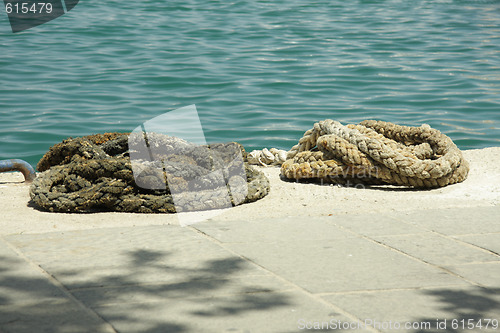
x,y
466,307
29,302
145,293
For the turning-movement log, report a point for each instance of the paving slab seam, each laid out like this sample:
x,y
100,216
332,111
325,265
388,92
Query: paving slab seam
x,y
412,257
467,244
477,246
478,263
374,291
403,220
279,277
435,266
477,234
452,238
55,282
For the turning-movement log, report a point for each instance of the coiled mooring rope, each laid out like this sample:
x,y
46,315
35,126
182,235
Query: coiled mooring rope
x,y
373,152
95,173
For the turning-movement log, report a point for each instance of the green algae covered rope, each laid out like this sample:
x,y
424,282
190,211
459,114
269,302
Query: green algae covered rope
x,y
95,174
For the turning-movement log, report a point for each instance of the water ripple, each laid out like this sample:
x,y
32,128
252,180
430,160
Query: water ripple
x,y
260,73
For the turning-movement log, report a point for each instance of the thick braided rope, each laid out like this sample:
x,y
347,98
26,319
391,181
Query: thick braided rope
x,y
266,157
82,175
374,152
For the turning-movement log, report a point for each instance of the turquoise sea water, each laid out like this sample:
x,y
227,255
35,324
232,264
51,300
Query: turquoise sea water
x,y
259,72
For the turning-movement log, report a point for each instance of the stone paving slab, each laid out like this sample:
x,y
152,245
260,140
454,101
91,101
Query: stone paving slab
x,y
490,242
454,221
483,274
375,225
343,265
247,312
190,288
268,275
422,308
169,279
31,302
437,249
21,283
128,256
412,256
291,230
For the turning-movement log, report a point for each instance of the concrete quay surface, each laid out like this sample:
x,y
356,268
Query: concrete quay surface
x,y
307,258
